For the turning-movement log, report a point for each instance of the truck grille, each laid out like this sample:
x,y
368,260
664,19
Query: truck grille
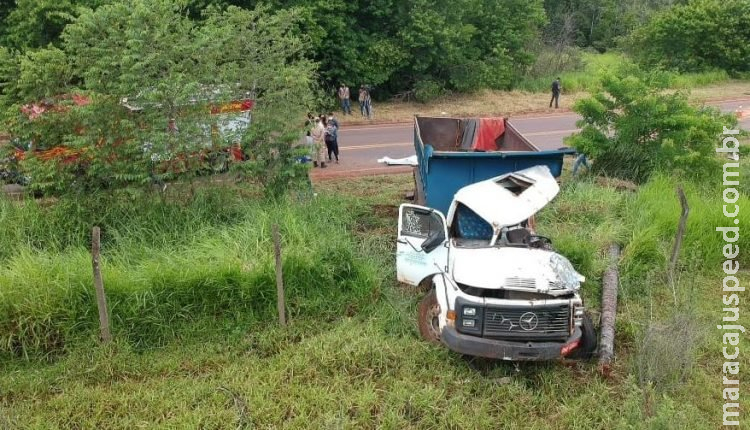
x,y
540,322
516,282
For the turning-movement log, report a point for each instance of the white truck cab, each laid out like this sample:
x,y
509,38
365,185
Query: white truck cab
x,y
497,289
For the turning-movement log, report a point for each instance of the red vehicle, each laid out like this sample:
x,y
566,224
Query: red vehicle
x,y
229,120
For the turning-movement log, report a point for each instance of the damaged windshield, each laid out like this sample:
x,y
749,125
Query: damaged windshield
x,y
471,230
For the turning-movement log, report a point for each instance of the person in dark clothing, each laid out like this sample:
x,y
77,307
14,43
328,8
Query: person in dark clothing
x,y
555,92
333,119
331,141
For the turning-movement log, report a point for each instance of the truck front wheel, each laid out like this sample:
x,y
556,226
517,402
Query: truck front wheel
x,y
429,317
587,348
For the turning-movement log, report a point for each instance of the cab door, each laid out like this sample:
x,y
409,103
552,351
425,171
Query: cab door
x,y
422,244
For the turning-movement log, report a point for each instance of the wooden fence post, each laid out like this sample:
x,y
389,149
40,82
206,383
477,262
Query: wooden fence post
x,y
279,276
678,239
101,298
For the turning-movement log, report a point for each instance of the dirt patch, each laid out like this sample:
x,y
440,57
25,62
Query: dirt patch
x,y
618,184
517,104
318,175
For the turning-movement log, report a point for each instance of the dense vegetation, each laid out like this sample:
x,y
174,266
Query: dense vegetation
x,y
632,128
700,35
421,48
168,70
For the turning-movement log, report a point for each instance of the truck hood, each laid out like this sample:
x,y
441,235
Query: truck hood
x,y
519,269
509,199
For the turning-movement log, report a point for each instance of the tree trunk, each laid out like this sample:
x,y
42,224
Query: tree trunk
x,y
609,307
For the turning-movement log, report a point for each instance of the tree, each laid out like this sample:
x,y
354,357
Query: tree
x,y
600,23
393,45
632,128
699,35
37,23
147,54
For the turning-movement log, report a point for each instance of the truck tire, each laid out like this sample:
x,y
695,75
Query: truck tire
x,y
588,340
428,317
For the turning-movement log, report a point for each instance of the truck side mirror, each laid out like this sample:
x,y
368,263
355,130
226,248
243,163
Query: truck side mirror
x,y
433,241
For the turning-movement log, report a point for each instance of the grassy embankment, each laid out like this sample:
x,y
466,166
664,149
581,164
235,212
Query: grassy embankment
x,y
532,95
191,292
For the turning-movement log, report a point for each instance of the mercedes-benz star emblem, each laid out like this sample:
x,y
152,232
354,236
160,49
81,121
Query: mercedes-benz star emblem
x,y
528,321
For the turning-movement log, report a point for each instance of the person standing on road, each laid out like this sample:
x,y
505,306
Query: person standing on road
x,y
332,140
362,99
368,102
365,102
318,133
344,98
556,87
332,119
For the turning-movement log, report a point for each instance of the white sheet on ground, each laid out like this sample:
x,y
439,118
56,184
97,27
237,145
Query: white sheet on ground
x,y
408,161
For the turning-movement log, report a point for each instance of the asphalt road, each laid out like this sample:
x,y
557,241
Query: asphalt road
x,y
361,146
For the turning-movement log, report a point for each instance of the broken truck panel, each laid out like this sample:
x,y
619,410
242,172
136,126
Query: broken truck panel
x,y
420,250
509,199
522,269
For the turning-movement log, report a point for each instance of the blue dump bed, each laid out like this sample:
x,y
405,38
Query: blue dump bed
x,y
444,168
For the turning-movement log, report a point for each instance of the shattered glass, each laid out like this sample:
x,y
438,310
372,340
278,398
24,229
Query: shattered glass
x,y
567,276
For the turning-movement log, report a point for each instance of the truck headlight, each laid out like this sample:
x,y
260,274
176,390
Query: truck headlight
x,y
567,276
470,317
578,315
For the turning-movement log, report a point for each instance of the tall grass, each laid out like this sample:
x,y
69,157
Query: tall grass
x,y
693,80
203,271
581,78
127,218
584,77
652,219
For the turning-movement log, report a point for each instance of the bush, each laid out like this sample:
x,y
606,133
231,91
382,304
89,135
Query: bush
x,y
632,128
115,115
696,36
428,90
666,354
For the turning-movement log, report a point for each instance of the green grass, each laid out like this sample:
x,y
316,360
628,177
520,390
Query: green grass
x,y
221,273
352,375
197,345
574,80
593,64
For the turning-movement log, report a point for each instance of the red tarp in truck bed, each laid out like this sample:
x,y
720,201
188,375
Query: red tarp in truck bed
x,y
490,129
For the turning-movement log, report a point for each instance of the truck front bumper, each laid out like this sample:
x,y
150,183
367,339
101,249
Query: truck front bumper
x,y
505,350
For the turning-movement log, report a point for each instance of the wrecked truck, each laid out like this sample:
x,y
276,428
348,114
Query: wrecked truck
x,y
495,288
